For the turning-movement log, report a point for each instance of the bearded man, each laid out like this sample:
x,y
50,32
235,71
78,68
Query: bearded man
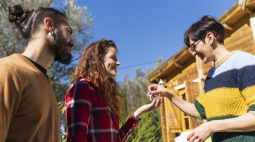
x,y
28,107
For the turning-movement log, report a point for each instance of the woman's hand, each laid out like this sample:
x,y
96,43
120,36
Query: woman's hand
x,y
148,108
159,91
201,133
153,105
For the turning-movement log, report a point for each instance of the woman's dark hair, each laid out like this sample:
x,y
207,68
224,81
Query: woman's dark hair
x,y
91,66
205,25
29,22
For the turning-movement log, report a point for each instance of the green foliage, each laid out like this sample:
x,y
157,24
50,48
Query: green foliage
x,y
61,107
148,130
63,137
123,92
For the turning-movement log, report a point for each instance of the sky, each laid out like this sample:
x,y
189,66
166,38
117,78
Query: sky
x,y
145,30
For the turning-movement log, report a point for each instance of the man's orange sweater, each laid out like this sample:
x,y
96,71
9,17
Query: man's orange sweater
x,y
28,107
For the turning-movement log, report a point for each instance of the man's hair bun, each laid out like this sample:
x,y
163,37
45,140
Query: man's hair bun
x,y
16,14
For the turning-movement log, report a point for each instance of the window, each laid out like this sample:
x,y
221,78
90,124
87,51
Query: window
x,y
185,119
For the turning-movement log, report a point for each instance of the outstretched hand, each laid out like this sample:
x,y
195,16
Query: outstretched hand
x,y
153,105
158,90
148,107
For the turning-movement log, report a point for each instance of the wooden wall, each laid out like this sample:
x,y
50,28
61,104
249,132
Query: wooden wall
x,y
241,37
187,73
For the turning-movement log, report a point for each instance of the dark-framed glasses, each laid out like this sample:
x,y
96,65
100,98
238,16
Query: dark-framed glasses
x,y
193,46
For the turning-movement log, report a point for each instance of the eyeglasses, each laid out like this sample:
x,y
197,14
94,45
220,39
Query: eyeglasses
x,y
193,45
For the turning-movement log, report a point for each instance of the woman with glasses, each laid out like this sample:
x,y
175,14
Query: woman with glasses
x,y
93,102
228,99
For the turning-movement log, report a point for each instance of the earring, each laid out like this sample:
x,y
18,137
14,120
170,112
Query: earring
x,y
51,33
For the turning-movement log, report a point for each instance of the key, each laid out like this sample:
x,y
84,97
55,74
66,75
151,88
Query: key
x,y
150,95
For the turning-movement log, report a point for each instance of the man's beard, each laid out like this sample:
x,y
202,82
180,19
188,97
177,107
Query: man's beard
x,y
60,48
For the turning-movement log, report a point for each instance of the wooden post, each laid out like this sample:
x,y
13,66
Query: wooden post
x,y
165,137
192,92
200,73
252,23
163,121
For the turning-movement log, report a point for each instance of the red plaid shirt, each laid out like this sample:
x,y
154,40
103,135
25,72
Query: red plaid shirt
x,y
89,119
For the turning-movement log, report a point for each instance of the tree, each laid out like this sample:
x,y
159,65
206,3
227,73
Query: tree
x,y
134,93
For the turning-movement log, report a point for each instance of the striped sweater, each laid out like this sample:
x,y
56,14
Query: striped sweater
x,y
229,92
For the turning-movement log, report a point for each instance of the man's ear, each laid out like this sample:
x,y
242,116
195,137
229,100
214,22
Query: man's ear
x,y
48,24
211,38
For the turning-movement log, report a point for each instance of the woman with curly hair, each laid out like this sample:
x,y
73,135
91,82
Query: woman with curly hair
x,y
93,103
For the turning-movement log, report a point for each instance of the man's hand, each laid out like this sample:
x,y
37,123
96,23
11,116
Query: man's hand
x,y
201,133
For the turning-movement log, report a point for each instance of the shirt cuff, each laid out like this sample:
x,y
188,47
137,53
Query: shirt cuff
x,y
138,120
198,117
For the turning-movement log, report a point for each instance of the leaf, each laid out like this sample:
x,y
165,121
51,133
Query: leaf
x,y
63,110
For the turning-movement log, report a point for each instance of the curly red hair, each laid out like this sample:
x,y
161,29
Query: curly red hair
x,y
91,66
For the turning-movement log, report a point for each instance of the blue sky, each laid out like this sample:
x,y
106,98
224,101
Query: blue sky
x,y
145,30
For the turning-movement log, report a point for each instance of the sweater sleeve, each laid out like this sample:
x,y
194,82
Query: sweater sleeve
x,y
128,128
10,95
77,111
200,110
246,78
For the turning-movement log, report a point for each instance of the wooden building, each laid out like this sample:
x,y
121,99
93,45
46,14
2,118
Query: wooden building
x,y
185,74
